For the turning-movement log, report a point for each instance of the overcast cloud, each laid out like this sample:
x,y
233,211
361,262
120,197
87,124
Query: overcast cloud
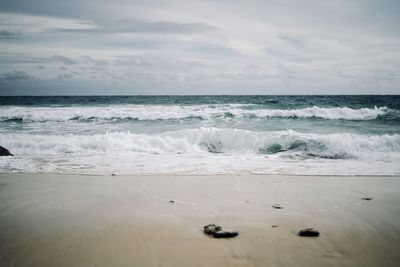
x,y
199,47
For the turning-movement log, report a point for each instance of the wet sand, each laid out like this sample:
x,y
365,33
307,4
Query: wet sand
x,y
71,220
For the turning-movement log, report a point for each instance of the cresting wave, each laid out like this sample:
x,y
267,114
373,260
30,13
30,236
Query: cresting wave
x,y
166,112
209,140
203,151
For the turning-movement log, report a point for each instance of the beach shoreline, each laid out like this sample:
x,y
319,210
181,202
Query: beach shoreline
x,y
157,220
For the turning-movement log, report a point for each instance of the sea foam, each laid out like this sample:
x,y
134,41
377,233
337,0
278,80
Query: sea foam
x,y
185,150
167,112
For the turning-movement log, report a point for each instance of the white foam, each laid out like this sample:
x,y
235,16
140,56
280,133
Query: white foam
x,y
344,113
188,151
163,112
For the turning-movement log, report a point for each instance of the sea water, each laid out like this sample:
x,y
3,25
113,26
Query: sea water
x,y
312,135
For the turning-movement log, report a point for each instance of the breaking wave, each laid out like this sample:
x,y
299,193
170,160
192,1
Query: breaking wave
x,y
344,113
205,140
203,150
166,112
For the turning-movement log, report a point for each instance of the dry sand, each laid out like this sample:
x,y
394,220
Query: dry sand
x,y
68,220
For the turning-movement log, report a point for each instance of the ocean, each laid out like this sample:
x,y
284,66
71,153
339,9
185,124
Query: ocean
x,y
103,135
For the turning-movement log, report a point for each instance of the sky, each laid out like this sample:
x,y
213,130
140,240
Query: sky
x,y
161,47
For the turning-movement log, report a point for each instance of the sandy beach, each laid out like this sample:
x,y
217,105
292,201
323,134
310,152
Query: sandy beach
x,y
71,220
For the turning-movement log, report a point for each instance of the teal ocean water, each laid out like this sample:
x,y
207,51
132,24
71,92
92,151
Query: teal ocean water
x,y
314,135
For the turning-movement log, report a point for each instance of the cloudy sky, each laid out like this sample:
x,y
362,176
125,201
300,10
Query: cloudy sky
x,y
199,47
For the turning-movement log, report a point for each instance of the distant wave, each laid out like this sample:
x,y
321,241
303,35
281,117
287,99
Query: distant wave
x,y
344,113
116,112
165,112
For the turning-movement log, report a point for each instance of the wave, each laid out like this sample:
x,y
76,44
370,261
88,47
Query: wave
x,y
206,140
344,113
203,151
165,112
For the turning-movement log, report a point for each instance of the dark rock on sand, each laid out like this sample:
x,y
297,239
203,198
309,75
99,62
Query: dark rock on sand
x,y
4,152
274,226
216,231
366,198
277,206
171,201
211,229
225,234
309,232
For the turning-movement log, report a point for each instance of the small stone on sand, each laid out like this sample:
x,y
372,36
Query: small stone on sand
x,y
309,232
216,231
211,229
225,234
